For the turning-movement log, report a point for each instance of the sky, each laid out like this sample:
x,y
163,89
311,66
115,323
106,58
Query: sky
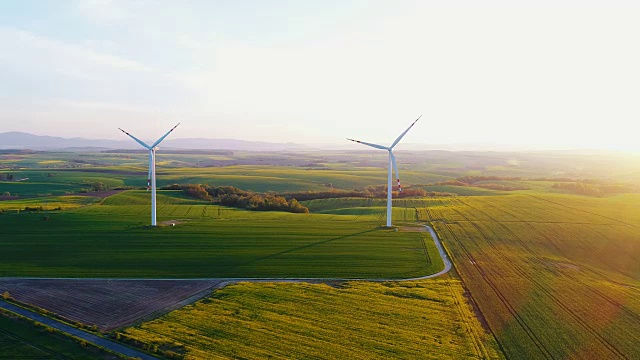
x,y
536,74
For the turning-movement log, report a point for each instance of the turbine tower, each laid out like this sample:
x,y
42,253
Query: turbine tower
x,y
151,180
392,162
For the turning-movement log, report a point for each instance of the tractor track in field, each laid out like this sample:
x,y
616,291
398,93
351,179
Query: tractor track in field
x,y
75,332
226,281
584,211
503,299
30,343
561,304
219,283
558,301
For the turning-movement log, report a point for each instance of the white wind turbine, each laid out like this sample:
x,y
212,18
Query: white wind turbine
x,y
392,162
151,181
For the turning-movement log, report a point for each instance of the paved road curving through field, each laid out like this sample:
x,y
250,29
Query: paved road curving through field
x,y
443,255
222,282
84,335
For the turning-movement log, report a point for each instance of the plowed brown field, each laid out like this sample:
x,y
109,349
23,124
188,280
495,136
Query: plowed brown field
x,y
107,304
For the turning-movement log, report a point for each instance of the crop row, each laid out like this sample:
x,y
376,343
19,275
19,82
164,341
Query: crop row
x,y
358,320
114,241
544,275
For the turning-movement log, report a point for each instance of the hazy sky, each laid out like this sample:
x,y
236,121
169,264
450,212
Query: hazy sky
x,y
537,73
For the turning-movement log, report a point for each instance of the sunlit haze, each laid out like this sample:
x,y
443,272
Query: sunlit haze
x,y
535,74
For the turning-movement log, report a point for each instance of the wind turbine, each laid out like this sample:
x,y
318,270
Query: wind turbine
x,y
392,162
151,181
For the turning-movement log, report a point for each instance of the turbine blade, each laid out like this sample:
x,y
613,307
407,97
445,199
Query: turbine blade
x,y
136,139
165,135
395,168
149,177
404,133
370,144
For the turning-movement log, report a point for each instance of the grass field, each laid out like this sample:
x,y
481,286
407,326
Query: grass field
x,y
248,177
426,320
48,203
555,276
21,340
111,239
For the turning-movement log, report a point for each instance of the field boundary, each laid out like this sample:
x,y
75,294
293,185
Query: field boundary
x,y
96,340
227,281
223,282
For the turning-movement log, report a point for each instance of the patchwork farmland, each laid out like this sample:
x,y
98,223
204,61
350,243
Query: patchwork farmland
x,y
21,340
210,242
540,272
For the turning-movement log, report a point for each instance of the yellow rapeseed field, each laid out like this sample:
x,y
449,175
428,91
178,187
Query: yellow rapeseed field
x,y
428,319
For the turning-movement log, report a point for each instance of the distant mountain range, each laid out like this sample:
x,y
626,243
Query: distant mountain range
x,y
21,140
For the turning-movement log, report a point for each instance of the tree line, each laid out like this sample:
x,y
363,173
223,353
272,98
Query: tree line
x,y
242,199
594,188
289,201
473,180
373,191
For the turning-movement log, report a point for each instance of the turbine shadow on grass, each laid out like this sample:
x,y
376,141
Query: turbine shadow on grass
x,y
303,247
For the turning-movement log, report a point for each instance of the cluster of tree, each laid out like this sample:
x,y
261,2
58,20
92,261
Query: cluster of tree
x,y
263,202
470,180
502,187
35,208
93,187
7,177
217,191
475,179
452,183
238,198
125,187
197,191
380,191
594,188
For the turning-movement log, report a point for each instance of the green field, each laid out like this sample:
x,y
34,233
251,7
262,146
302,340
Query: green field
x,y
65,202
426,320
555,276
20,339
112,239
254,177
